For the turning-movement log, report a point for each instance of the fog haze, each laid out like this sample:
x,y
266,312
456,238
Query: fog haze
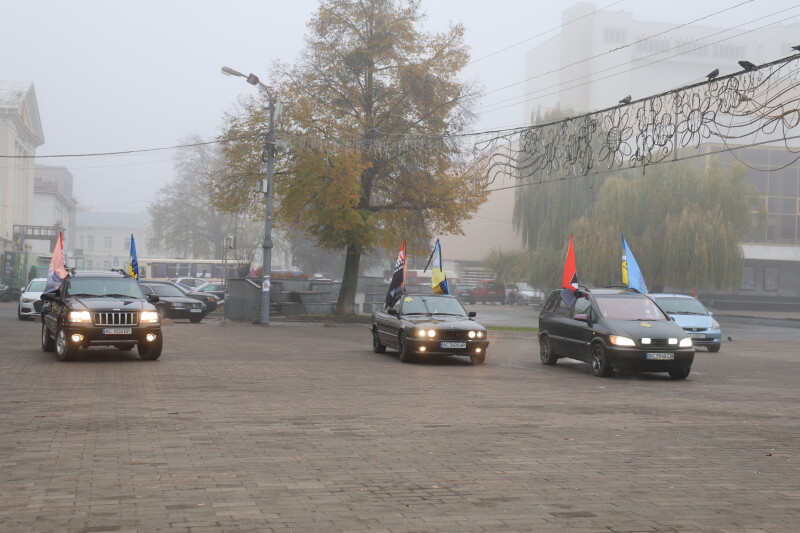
x,y
115,77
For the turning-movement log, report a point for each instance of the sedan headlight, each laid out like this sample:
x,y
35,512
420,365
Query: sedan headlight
x,y
426,333
148,317
475,334
80,316
621,341
28,300
686,342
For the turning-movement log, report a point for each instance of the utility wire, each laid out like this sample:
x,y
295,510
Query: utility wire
x,y
594,80
643,39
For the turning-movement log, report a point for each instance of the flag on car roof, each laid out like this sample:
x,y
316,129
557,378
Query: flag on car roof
x,y
398,278
631,275
438,277
133,261
569,278
57,272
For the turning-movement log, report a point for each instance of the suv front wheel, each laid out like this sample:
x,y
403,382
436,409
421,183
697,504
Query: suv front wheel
x,y
64,351
47,341
150,351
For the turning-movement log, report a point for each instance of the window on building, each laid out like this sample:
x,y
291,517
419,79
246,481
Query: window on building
x,y
90,242
127,244
771,280
748,278
108,243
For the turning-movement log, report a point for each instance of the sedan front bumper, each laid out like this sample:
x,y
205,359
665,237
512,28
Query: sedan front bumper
x,y
447,347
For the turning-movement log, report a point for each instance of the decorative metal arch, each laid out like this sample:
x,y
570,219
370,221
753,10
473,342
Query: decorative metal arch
x,y
744,108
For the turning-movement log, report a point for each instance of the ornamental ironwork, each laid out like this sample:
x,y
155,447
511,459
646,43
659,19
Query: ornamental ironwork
x,y
760,105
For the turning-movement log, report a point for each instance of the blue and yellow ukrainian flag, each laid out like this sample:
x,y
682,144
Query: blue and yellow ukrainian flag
x,y
438,277
631,275
133,261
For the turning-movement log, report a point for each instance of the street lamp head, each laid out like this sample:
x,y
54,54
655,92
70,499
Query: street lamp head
x,y
252,79
228,71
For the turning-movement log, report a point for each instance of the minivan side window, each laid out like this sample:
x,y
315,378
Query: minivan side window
x,y
551,303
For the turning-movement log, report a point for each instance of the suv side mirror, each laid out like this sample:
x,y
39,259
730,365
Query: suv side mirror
x,y
152,298
472,314
49,297
392,311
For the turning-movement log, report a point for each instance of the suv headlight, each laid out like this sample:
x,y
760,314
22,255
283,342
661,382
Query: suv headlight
x,y
148,317
686,342
621,341
80,316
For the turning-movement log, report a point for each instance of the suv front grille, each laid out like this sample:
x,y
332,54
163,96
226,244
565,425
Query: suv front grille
x,y
116,319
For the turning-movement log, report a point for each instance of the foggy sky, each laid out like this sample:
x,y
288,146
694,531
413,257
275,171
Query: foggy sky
x,y
113,76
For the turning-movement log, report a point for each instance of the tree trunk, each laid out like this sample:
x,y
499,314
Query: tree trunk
x,y
345,305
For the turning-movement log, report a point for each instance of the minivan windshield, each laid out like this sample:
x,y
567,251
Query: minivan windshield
x,y
628,308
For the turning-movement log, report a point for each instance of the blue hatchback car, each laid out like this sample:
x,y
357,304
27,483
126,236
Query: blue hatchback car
x,y
693,317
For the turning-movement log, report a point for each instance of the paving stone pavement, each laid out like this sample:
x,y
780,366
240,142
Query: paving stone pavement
x,y
301,428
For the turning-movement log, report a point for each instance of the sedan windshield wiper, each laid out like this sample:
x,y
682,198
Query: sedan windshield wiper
x,y
84,295
119,296
449,314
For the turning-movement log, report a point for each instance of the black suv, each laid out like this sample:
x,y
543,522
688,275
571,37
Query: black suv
x,y
100,308
613,329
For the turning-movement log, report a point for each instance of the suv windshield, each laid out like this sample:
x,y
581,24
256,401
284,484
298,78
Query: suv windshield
x,y
682,306
103,287
628,308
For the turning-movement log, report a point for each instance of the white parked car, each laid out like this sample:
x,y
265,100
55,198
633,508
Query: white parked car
x,y
522,294
30,302
191,283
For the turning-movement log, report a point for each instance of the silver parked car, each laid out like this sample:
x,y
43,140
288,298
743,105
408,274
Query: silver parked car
x,y
693,317
30,301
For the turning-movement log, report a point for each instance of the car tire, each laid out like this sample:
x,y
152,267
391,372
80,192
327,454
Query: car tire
x,y
679,373
162,311
713,347
377,347
64,351
48,344
405,354
195,319
477,358
599,361
150,351
546,352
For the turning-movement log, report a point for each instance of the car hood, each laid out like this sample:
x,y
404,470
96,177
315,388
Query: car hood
x,y
177,299
109,304
443,322
31,295
637,329
693,321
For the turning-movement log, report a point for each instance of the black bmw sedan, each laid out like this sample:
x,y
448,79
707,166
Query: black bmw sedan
x,y
428,324
613,329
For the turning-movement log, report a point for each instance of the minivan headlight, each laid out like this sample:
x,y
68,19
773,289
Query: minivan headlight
x,y
621,341
149,317
714,324
80,316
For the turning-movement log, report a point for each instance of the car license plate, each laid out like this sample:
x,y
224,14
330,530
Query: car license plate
x,y
452,344
117,331
195,310
660,356
697,335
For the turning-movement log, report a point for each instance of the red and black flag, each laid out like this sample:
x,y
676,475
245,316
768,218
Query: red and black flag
x,y
398,278
569,279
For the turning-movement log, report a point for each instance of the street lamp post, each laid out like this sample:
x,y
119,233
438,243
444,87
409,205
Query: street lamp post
x,y
266,188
